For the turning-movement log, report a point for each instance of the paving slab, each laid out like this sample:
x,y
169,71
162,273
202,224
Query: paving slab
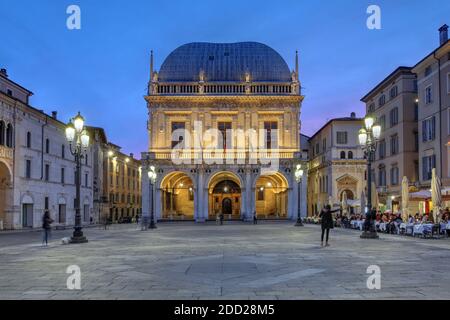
x,y
235,261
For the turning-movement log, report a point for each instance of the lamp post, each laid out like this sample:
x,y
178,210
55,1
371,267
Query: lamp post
x,y
368,138
152,178
298,178
78,139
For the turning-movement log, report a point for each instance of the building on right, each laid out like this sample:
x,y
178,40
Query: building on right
x,y
412,105
433,82
393,102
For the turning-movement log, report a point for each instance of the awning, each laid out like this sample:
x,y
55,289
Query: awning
x,y
422,194
426,194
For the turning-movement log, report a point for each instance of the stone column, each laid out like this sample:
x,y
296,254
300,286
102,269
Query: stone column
x,y
145,185
248,196
157,201
200,210
293,201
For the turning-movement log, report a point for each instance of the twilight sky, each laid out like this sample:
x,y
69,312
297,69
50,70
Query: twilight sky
x,y
102,69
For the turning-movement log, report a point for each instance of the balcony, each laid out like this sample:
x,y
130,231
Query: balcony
x,y
220,154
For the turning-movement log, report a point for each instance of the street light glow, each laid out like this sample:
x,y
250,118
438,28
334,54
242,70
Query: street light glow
x,y
78,122
362,137
70,132
369,121
84,139
376,131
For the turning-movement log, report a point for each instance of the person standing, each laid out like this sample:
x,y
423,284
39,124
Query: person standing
x,y
46,225
327,223
255,219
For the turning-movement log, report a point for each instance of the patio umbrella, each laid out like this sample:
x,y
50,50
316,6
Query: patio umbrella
x,y
374,197
405,198
344,204
363,202
436,195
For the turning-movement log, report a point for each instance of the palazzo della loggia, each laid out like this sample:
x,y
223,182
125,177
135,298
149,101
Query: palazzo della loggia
x,y
224,134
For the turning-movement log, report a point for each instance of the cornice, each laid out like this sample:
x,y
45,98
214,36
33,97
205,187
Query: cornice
x,y
224,99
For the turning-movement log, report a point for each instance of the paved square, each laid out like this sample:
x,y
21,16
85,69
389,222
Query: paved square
x,y
234,261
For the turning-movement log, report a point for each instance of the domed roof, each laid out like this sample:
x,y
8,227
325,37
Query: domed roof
x,y
224,62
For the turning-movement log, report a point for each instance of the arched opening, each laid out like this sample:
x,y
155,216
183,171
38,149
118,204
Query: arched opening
x,y
9,136
27,212
5,192
350,195
177,197
224,196
350,155
342,154
272,196
2,133
62,211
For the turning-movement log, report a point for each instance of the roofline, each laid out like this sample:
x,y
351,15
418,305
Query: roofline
x,y
15,83
334,120
308,137
380,84
431,54
41,112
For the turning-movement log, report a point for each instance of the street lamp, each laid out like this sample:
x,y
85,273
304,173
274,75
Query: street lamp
x,y
368,138
152,178
78,139
298,178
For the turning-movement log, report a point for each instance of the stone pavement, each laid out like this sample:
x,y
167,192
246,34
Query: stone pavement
x,y
273,260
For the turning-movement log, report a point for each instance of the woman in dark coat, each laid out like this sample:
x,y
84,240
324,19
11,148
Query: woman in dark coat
x,y
327,222
46,225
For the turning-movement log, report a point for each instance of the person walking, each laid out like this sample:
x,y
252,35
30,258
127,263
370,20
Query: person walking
x,y
327,223
255,218
221,218
46,225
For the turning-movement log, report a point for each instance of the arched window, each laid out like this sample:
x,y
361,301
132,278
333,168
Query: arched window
x,y
9,136
28,139
342,154
394,92
47,146
2,133
350,155
382,100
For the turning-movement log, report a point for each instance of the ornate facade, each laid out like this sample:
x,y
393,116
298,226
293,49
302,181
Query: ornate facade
x,y
224,134
337,164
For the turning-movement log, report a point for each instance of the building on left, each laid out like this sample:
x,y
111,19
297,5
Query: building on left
x,y
37,169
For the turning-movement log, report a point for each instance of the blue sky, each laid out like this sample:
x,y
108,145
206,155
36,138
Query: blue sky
x,y
102,69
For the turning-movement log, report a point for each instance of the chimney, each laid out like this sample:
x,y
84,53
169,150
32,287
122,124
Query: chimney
x,y
3,73
353,115
443,34
55,115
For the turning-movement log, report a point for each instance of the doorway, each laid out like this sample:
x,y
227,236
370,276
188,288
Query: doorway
x,y
27,215
227,207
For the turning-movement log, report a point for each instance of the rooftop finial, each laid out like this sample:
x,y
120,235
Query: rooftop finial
x,y
151,65
296,63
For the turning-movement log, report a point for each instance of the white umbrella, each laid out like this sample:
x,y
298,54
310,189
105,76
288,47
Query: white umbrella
x,y
374,197
405,198
363,202
436,196
344,204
